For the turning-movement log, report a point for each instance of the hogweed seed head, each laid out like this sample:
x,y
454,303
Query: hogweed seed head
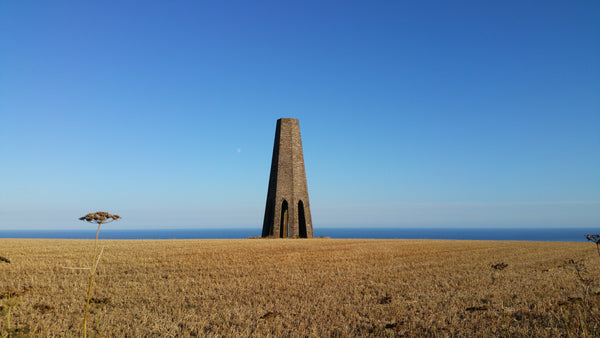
x,y
99,217
596,239
593,238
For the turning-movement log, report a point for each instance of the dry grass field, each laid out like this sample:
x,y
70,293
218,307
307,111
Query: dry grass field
x,y
317,287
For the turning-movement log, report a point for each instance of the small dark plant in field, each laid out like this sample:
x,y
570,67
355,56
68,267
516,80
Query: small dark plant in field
x,y
270,314
99,218
43,308
385,300
4,259
499,266
477,308
596,239
104,300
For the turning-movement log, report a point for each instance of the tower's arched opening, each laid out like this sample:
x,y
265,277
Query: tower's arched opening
x,y
301,220
283,226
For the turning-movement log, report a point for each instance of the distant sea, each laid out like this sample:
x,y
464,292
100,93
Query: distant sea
x,y
496,234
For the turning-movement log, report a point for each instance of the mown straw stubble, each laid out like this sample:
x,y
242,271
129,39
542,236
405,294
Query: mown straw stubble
x,y
306,287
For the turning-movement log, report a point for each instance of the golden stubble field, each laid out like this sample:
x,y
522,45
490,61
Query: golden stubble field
x,y
316,287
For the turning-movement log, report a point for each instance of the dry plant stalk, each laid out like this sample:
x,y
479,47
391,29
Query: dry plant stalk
x,y
596,239
10,295
99,217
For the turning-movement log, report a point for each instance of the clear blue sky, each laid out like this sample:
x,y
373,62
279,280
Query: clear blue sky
x,y
412,113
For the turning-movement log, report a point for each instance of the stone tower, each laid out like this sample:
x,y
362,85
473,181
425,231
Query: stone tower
x,y
287,212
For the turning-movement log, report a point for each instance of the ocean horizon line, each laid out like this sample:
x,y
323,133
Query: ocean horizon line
x,y
453,233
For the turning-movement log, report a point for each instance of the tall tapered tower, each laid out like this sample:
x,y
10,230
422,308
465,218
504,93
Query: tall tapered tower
x,y
287,213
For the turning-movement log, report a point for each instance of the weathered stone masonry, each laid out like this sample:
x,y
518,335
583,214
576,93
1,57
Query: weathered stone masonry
x,y
287,211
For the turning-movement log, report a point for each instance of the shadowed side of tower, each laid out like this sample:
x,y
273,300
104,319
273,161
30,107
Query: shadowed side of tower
x,y
287,211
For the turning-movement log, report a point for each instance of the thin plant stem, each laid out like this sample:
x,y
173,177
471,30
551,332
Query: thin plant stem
x,y
98,259
8,316
504,318
93,271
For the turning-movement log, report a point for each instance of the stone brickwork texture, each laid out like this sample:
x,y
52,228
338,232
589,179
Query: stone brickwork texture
x,y
287,211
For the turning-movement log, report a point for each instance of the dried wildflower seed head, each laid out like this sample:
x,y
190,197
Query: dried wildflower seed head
x,y
99,217
593,238
11,293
